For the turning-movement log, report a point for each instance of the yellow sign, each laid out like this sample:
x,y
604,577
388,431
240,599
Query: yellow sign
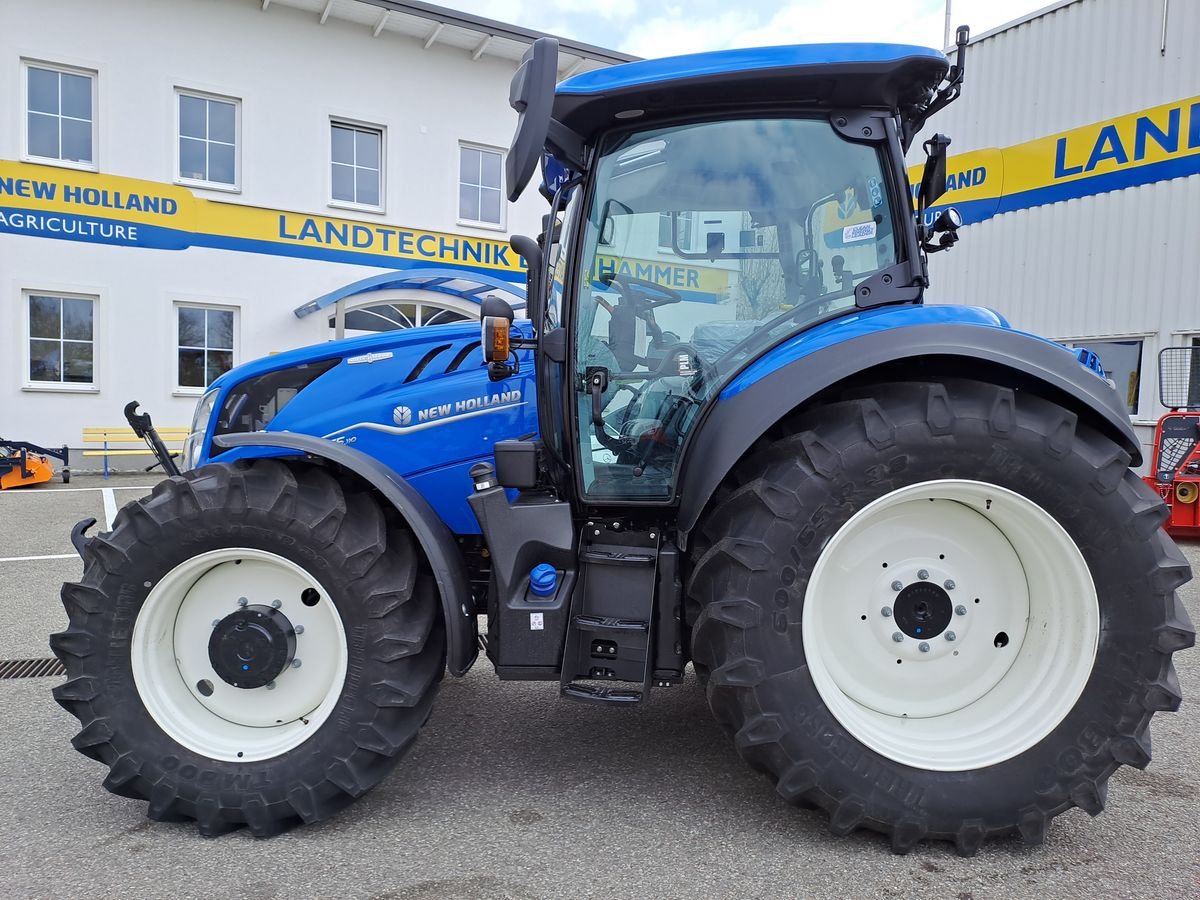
x,y
1151,145
47,201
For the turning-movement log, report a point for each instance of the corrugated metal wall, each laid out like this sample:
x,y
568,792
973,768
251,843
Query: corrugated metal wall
x,y
1123,263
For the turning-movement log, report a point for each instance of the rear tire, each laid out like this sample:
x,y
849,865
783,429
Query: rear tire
x,y
166,716
844,741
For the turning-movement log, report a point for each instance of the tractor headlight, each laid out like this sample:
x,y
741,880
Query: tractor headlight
x,y
253,404
194,442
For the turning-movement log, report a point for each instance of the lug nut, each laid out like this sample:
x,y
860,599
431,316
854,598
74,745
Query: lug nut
x,y
275,604
960,610
897,636
923,647
897,585
949,585
299,629
950,636
923,574
886,612
295,663
242,601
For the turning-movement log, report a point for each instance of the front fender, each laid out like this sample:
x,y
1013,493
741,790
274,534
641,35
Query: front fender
x,y
436,540
963,341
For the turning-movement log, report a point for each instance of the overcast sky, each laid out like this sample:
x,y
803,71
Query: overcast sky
x,y
667,28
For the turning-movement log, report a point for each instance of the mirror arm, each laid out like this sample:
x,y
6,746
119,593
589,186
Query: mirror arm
x,y
567,145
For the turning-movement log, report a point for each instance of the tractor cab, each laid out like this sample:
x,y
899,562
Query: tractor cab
x,y
705,209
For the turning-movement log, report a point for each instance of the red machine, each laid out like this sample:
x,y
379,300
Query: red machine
x,y
1175,466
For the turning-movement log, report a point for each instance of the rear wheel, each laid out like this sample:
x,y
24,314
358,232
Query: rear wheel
x,y
939,611
250,645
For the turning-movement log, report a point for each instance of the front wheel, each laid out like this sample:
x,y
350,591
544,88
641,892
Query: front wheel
x,y
250,645
939,610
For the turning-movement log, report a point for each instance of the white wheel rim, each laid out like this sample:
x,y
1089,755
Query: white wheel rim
x,y
970,701
170,658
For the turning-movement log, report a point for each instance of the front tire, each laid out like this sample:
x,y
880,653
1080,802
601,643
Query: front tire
x,y
187,710
826,537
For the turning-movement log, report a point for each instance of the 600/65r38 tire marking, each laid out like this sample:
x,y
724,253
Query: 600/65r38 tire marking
x,y
926,754
158,586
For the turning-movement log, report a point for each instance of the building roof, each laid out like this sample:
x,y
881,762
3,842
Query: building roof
x,y
430,25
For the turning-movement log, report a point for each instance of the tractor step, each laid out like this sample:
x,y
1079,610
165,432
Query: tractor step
x,y
587,693
610,632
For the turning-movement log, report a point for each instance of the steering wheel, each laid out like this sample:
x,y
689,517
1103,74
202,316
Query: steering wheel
x,y
648,295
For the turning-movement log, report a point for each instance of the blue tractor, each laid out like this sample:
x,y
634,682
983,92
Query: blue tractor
x,y
901,545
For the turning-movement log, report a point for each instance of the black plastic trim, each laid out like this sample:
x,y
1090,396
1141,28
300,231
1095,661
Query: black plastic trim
x,y
734,424
436,540
460,356
425,361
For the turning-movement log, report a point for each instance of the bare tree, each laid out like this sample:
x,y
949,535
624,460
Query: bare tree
x,y
760,278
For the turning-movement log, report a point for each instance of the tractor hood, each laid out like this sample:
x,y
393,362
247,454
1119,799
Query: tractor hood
x,y
417,399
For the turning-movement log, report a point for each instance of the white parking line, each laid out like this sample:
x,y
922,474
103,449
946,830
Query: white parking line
x,y
4,559
110,508
116,487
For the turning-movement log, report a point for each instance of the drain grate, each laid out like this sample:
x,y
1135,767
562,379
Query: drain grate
x,y
30,668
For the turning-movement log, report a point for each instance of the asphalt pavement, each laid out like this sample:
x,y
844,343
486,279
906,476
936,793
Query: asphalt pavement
x,y
514,793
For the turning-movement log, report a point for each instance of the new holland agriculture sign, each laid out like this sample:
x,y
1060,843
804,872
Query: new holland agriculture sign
x,y
46,201
1152,145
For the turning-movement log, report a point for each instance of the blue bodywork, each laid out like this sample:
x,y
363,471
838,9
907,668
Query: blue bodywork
x,y
432,428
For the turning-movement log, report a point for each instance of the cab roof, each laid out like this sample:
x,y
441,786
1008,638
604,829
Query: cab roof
x,y
890,76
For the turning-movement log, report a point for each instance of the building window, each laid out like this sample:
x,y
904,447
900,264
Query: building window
x,y
208,139
61,339
205,345
1122,362
357,159
683,225
60,121
479,185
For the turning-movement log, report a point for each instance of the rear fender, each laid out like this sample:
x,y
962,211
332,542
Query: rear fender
x,y
435,538
784,380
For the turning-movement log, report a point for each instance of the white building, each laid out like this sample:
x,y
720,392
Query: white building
x,y
177,178
1076,154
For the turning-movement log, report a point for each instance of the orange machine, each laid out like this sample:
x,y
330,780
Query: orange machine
x,y
1175,465
23,464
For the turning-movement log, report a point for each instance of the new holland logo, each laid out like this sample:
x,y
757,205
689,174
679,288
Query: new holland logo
x,y
409,420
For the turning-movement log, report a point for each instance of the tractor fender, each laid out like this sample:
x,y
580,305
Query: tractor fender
x,y
435,538
777,383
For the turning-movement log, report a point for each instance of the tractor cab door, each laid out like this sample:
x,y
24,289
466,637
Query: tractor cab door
x,y
703,245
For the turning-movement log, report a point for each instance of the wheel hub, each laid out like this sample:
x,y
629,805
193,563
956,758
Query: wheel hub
x,y
249,648
923,610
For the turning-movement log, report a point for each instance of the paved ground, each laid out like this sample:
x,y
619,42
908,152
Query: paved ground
x,y
513,793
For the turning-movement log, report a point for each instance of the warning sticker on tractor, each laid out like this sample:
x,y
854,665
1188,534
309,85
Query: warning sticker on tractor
x,y
536,622
863,231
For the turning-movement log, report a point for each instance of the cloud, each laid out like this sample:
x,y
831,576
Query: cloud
x,y
669,27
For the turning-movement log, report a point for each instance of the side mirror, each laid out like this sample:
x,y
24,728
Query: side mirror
x,y
496,318
535,276
531,94
933,177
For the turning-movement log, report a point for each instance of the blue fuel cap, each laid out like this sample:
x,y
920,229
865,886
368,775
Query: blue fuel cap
x,y
543,580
